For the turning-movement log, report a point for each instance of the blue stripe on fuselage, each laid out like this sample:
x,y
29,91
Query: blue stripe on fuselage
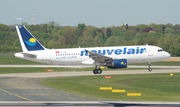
x,y
123,51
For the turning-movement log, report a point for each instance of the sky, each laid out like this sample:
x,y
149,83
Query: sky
x,y
98,13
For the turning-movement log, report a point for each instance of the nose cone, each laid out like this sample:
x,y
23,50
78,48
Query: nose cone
x,y
167,55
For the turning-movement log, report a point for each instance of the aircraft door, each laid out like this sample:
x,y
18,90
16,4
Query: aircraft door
x,y
150,51
48,58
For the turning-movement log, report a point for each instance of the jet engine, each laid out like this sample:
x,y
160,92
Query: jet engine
x,y
117,63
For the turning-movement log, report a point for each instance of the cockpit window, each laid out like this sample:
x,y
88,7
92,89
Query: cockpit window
x,y
160,50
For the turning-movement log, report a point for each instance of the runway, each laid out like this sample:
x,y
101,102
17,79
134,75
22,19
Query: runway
x,y
24,89
29,89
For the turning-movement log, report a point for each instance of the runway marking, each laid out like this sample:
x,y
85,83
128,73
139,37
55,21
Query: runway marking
x,y
133,94
15,95
105,88
118,90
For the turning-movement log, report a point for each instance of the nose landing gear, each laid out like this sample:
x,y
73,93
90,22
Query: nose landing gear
x,y
150,69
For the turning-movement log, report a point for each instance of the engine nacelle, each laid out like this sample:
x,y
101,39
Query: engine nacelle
x,y
117,63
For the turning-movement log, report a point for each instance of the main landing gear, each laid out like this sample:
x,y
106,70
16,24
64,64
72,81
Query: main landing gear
x,y
97,71
150,69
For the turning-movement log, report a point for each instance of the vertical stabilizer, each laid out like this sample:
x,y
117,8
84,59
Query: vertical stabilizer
x,y
27,40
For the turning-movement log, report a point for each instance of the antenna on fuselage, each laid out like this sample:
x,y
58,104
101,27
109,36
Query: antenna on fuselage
x,y
79,47
146,44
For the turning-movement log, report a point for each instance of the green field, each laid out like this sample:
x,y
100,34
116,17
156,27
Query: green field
x,y
153,87
9,59
5,70
164,63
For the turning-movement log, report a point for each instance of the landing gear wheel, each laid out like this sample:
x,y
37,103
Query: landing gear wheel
x,y
99,71
150,69
95,71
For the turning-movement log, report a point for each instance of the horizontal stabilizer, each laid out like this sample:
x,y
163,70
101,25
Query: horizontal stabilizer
x,y
28,54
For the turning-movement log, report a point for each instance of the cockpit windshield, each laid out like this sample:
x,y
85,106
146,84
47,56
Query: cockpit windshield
x,y
160,50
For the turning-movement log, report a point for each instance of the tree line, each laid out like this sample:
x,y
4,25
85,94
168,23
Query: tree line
x,y
52,35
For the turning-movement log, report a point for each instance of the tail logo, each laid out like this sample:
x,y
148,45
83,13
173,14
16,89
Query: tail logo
x,y
31,42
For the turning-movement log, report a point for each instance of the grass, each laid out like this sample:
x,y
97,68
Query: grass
x,y
164,63
153,87
5,70
9,59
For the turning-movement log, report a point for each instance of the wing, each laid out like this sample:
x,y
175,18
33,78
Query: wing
x,y
98,58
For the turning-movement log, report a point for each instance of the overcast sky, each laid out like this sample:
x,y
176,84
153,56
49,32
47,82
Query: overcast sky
x,y
99,13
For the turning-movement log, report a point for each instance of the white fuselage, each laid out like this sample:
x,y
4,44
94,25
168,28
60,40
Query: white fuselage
x,y
76,56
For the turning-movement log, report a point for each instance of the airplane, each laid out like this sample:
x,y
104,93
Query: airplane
x,y
111,57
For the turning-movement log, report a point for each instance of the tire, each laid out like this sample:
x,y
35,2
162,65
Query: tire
x,y
99,71
95,71
150,69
